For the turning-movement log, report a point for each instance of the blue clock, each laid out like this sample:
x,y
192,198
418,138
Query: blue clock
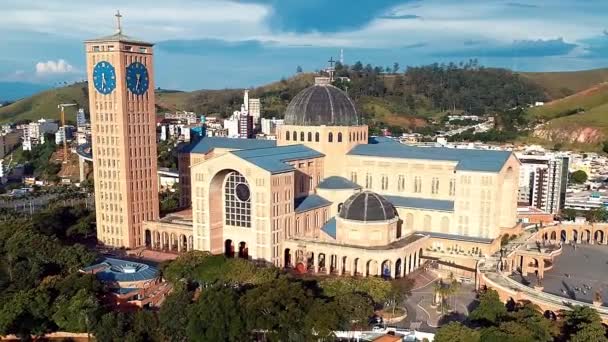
x,y
137,78
104,77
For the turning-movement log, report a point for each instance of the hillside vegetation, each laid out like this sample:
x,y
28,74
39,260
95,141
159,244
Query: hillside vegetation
x,y
44,104
561,84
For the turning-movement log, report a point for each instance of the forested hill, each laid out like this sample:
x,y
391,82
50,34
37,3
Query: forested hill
x,y
400,98
440,87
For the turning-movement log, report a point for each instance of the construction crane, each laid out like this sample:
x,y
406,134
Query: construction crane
x,y
65,137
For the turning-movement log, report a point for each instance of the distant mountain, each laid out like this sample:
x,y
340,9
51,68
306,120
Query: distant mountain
x,y
11,91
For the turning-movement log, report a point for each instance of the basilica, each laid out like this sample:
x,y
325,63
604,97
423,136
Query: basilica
x,y
327,197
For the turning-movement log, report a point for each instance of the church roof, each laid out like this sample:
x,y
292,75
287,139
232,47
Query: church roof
x,y
310,202
336,183
421,203
466,159
118,37
330,227
209,143
275,159
367,206
321,104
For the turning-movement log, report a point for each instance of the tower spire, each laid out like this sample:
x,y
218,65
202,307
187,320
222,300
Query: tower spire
x,y
118,26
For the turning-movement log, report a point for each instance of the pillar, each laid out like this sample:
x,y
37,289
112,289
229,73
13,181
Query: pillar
x,y
81,162
379,271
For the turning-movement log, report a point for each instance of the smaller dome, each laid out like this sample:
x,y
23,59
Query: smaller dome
x,y
367,206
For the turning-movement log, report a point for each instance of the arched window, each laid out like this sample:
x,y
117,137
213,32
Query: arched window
x,y
286,135
317,137
309,136
294,136
340,137
331,137
237,201
301,136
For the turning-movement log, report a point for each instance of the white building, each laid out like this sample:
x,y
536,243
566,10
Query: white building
x,y
543,180
34,133
64,131
269,126
189,117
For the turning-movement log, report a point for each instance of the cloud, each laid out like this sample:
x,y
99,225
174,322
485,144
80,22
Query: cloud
x,y
520,5
516,49
54,68
400,16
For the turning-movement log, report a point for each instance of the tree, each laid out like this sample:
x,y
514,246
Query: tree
x,y
578,177
400,290
377,288
216,316
395,67
569,214
279,307
355,309
583,323
76,314
456,332
171,318
490,309
299,69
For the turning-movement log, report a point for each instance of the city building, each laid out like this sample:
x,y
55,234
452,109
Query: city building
x,y
34,132
63,132
326,197
188,117
81,119
269,126
543,180
252,106
120,73
8,141
245,126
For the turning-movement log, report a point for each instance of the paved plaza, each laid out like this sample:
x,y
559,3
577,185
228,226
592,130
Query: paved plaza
x,y
577,273
420,313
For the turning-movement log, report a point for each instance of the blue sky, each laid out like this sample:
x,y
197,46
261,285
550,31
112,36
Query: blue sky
x,y
216,44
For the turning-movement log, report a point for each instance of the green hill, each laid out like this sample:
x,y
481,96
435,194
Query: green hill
x,y
44,104
580,102
561,84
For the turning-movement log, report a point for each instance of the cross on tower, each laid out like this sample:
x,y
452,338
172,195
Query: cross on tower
x,y
118,16
331,62
331,70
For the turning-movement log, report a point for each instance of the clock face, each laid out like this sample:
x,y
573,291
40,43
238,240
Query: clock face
x,y
104,77
137,78
242,192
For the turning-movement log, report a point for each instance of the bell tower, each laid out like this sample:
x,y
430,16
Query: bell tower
x,y
120,76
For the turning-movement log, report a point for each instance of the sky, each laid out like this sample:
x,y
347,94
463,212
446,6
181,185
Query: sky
x,y
214,44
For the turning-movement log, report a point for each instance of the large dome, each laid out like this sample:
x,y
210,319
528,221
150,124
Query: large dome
x,y
321,104
367,206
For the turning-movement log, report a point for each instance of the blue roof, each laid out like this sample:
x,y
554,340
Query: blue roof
x,y
275,159
467,159
111,269
421,203
207,144
310,202
330,227
336,182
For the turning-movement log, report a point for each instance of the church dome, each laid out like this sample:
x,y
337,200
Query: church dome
x,y
367,206
321,104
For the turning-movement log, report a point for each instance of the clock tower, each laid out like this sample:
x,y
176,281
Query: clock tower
x,y
120,76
